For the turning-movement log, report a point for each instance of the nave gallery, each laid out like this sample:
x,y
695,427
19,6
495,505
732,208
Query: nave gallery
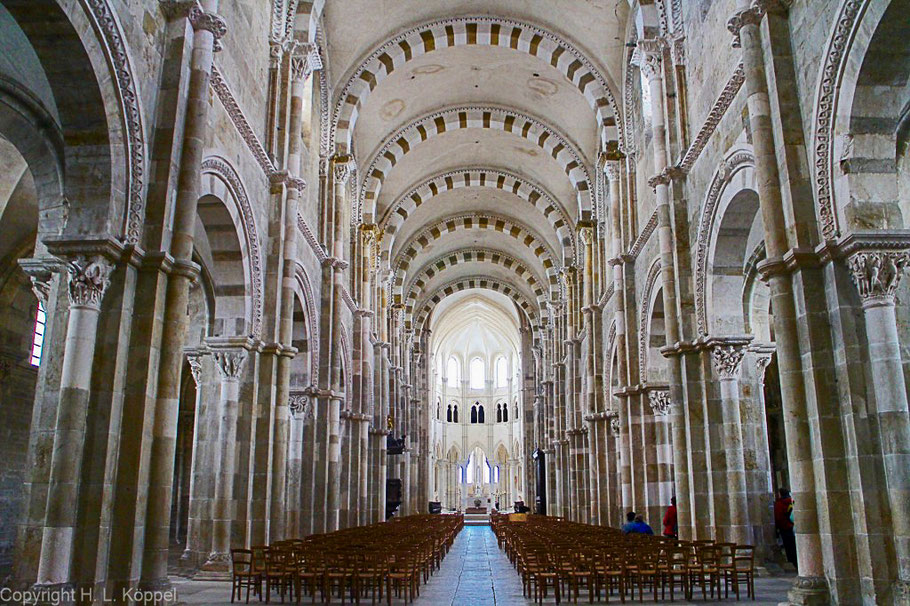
x,y
277,271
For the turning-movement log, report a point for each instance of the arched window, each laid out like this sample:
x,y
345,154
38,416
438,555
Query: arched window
x,y
480,414
438,405
487,471
453,376
473,414
496,475
455,414
499,413
38,335
502,372
476,370
516,411
449,413
470,474
505,412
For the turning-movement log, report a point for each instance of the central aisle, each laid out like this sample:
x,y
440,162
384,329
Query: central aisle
x,y
474,572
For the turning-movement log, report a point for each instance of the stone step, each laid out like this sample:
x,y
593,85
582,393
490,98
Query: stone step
x,y
476,519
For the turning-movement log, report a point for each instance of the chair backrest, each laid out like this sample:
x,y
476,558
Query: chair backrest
x,y
744,558
241,560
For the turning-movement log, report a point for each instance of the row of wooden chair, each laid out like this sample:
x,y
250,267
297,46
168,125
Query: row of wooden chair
x,y
567,557
378,560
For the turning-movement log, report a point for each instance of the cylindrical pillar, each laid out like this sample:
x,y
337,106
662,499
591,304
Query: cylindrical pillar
x,y
89,277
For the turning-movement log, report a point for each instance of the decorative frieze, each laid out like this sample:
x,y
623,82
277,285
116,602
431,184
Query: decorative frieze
x,y
720,107
877,274
89,277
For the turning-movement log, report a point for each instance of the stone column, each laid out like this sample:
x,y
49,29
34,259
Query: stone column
x,y
649,56
659,400
876,274
89,277
229,355
187,559
343,167
302,65
727,355
811,586
208,28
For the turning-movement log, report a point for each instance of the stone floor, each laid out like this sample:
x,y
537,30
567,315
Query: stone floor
x,y
475,573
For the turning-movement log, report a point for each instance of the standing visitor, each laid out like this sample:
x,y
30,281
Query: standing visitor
x,y
783,522
671,525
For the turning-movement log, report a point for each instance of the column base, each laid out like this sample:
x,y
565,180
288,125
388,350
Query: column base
x,y
216,568
809,591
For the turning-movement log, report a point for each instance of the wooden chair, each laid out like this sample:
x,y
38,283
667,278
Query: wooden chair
x,y
402,577
277,573
743,570
702,570
243,575
675,573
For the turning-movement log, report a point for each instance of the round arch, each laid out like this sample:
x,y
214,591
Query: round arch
x,y
502,119
489,31
532,193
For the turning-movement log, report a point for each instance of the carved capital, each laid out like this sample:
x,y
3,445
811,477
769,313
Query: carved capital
x,y
753,16
586,235
305,60
342,168
89,277
614,425
209,22
877,274
762,361
300,404
611,170
660,402
648,55
41,273
194,359
727,358
229,361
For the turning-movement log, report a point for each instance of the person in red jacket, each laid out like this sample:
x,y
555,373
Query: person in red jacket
x,y
671,525
783,522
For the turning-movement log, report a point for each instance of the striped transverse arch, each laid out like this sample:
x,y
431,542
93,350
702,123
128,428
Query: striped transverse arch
x,y
450,225
484,117
468,31
530,192
424,308
471,255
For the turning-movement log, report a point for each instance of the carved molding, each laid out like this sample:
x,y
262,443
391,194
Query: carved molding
x,y
720,107
238,119
877,274
127,90
643,237
225,171
89,277
645,308
721,178
847,21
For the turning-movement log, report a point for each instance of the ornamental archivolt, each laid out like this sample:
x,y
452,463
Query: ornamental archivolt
x,y
877,274
89,277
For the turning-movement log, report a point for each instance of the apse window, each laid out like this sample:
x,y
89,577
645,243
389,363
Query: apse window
x,y
452,374
502,372
38,338
477,377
